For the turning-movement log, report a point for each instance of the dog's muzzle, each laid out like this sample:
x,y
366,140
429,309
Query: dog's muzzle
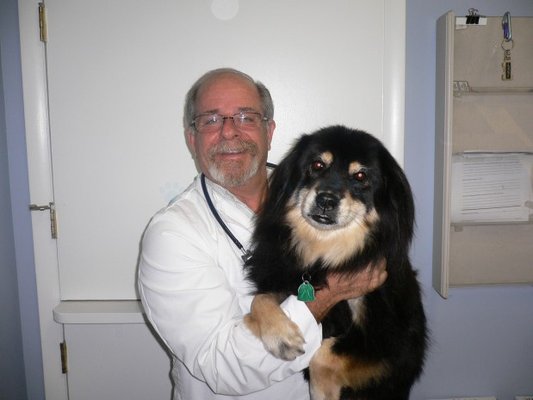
x,y
325,209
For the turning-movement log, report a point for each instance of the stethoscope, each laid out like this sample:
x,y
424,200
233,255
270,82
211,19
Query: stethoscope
x,y
245,253
306,291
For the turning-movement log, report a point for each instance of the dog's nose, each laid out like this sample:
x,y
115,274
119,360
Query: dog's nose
x,y
326,201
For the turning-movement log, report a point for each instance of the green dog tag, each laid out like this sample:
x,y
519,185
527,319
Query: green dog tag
x,y
306,292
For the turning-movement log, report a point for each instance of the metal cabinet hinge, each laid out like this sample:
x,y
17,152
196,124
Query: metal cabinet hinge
x,y
53,216
63,352
43,28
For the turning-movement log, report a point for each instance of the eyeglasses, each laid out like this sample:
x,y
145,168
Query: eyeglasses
x,y
243,121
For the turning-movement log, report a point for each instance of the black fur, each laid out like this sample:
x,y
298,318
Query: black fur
x,y
394,325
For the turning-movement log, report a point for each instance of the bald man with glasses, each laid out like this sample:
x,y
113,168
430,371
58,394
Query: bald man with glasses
x,y
191,278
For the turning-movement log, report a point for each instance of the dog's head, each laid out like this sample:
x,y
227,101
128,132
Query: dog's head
x,y
341,193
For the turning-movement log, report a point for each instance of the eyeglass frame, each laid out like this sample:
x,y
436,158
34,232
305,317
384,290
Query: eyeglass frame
x,y
226,117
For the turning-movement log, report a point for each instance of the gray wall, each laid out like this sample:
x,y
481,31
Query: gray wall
x,y
481,337
21,373
12,384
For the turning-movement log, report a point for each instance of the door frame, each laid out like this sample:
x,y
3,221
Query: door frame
x,y
33,57
33,60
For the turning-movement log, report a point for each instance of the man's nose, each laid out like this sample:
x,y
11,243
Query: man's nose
x,y
228,129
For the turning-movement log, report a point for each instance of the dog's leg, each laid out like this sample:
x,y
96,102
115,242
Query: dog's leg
x,y
280,336
330,372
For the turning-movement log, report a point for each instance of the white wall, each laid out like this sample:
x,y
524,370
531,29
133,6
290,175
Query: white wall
x,y
482,338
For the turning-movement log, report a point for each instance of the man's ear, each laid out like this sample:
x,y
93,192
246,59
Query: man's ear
x,y
190,137
270,131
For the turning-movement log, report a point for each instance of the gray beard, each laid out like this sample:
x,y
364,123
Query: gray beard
x,y
227,176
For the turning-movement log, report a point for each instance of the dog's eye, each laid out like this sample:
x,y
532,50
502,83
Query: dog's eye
x,y
317,165
360,176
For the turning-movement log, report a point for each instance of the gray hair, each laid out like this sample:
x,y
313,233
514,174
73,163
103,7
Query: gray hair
x,y
189,110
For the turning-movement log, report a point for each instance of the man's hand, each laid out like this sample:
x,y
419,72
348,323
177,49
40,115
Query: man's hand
x,y
343,287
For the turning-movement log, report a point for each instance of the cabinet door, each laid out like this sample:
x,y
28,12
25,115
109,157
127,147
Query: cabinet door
x,y
479,111
116,361
117,76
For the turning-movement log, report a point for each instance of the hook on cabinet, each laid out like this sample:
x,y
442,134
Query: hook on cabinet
x,y
506,26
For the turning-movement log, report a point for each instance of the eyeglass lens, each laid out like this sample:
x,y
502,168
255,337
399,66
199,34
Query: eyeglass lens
x,y
213,122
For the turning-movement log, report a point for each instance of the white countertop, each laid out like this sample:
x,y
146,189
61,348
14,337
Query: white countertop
x,y
99,312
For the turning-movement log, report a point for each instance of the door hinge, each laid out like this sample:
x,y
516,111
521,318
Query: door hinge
x,y
53,216
43,28
63,352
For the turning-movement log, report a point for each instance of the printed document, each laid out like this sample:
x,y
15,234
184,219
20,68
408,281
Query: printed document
x,y
491,187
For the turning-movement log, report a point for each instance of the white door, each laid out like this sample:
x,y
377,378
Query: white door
x,y
117,75
104,100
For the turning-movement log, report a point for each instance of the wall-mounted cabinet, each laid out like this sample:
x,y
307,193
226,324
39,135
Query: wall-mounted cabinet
x,y
483,226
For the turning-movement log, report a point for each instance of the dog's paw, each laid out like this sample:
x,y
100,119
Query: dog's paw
x,y
280,336
283,340
319,394
324,375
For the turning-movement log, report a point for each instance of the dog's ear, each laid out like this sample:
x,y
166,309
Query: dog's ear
x,y
396,192
286,176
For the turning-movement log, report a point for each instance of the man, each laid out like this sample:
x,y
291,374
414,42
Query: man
x,y
191,280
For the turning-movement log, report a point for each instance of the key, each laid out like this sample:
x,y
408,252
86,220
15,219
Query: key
x,y
506,66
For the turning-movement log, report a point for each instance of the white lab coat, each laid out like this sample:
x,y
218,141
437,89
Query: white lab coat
x,y
194,293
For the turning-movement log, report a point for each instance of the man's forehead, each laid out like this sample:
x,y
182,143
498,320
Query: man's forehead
x,y
228,89
228,81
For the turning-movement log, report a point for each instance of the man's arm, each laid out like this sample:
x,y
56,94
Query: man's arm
x,y
194,308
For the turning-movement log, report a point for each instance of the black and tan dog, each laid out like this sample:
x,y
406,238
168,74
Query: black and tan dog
x,y
338,202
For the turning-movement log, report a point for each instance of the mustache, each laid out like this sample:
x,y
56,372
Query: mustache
x,y
235,146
